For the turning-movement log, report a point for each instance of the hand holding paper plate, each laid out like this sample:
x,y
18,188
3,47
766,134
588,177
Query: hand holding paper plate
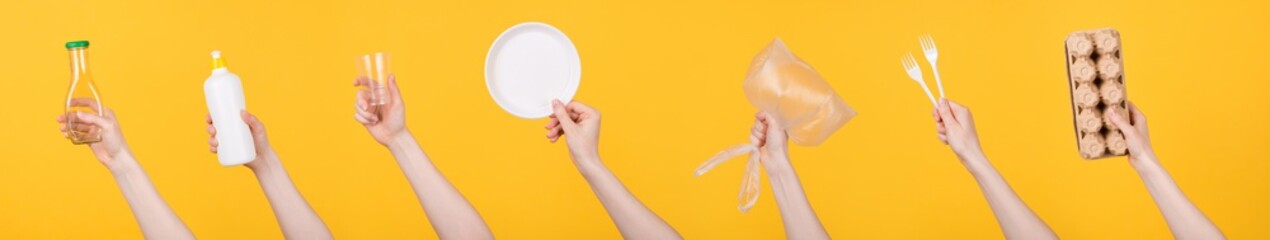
x,y
529,65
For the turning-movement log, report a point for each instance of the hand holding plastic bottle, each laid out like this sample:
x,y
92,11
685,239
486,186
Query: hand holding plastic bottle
x,y
387,122
295,216
264,150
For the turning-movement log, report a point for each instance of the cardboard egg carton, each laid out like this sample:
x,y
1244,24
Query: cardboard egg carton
x,y
1095,73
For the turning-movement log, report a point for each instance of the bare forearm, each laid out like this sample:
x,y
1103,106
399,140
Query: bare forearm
x,y
1016,219
633,219
799,218
156,218
296,218
449,212
1185,220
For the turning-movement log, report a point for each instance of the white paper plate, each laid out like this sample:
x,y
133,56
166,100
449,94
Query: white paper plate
x,y
529,65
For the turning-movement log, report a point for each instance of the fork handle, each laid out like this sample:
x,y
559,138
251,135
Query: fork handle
x,y
938,83
927,89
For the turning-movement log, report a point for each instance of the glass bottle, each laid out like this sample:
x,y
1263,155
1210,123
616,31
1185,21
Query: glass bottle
x,y
82,96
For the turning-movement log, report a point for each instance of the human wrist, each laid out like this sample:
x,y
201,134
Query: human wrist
x,y
1144,163
588,163
265,162
401,140
122,164
976,163
968,152
777,164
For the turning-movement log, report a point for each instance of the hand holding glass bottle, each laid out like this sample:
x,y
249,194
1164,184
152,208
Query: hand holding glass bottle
x,y
154,216
82,97
110,144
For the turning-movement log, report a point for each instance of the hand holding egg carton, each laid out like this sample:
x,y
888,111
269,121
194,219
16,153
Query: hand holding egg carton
x,y
1096,79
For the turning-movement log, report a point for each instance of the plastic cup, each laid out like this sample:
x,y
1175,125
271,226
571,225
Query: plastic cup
x,y
373,72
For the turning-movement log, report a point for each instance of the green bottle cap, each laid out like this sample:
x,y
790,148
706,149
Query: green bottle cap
x,y
76,44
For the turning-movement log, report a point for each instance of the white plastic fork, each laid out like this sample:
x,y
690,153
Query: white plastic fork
x,y
928,46
915,72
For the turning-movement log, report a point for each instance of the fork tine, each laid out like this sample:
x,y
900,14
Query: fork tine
x,y
926,42
932,41
922,39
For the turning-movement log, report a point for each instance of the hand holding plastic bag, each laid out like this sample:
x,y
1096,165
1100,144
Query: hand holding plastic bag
x,y
806,106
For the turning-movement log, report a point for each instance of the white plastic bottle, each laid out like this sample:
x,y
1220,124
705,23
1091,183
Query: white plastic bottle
x,y
225,102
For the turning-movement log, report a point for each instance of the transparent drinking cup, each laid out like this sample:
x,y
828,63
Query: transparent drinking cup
x,y
372,74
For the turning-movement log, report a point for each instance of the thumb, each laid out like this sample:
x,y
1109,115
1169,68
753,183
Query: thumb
x,y
392,89
91,119
257,128
562,114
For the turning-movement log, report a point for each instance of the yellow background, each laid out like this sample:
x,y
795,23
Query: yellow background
x,y
667,75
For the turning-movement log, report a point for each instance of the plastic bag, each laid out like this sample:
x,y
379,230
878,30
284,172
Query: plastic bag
x,y
790,90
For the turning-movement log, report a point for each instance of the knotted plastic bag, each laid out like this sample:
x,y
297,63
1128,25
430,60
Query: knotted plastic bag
x,y
801,101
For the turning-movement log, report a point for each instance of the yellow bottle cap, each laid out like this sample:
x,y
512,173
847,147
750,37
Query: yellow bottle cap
x,y
217,61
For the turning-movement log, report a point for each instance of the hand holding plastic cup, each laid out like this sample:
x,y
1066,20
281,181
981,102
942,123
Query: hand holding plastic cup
x,y
372,76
